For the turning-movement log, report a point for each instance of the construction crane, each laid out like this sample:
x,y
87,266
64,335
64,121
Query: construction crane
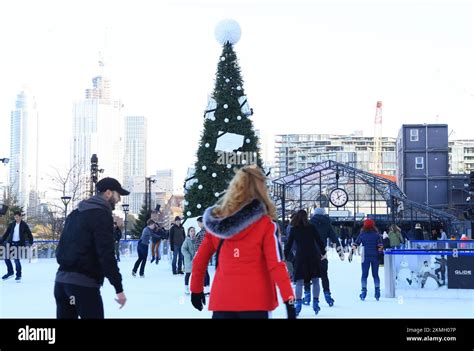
x,y
378,138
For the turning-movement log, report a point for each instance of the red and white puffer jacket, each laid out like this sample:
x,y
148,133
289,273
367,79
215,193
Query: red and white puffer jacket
x,y
250,263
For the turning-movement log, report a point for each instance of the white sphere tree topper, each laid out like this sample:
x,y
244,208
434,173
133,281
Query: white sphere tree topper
x,y
227,30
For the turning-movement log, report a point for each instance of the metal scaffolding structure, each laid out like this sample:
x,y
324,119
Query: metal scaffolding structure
x,y
370,195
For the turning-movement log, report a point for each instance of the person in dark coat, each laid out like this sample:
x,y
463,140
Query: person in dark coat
x,y
17,236
344,236
419,232
371,241
142,248
118,237
86,255
159,234
310,249
324,227
177,236
440,272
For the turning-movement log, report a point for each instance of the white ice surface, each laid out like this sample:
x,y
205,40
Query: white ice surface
x,y
161,295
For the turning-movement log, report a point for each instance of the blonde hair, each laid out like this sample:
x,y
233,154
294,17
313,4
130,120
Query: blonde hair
x,y
248,184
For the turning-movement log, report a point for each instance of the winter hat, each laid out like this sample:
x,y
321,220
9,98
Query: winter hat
x,y
369,224
418,226
319,211
111,184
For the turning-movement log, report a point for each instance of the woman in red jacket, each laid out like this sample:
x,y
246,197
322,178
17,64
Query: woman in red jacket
x,y
249,261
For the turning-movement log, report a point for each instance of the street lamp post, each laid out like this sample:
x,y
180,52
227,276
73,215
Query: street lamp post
x,y
95,170
94,173
65,200
148,181
125,208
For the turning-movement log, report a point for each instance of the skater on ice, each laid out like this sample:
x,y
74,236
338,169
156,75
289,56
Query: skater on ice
x,y
188,249
86,254
241,230
371,241
17,236
310,250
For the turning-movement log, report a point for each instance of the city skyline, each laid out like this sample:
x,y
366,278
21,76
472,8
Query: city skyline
x,y
303,64
98,129
24,151
135,165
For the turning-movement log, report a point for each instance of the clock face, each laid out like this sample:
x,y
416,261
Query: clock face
x,y
338,197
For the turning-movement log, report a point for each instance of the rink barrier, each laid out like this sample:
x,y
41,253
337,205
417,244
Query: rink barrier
x,y
390,271
128,248
447,252
439,244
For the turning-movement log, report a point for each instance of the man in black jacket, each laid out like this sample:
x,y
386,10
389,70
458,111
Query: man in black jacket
x,y
177,236
322,222
17,235
86,255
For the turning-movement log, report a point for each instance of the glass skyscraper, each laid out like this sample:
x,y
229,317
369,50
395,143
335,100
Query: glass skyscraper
x,y
24,153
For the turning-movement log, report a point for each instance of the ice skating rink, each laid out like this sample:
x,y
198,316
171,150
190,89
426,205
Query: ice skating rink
x,y
161,295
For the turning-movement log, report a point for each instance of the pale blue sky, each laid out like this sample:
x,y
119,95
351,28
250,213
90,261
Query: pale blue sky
x,y
311,66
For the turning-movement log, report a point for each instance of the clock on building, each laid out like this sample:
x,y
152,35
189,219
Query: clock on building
x,y
338,197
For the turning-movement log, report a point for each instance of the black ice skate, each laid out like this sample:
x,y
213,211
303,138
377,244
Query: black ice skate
x,y
363,294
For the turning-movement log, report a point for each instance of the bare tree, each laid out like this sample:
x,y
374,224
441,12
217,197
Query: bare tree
x,y
69,183
52,224
11,202
64,183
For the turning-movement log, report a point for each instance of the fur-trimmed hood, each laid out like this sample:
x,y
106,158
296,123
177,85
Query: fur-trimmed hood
x,y
232,225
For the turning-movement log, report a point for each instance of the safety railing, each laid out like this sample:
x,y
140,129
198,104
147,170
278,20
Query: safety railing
x,y
127,248
439,244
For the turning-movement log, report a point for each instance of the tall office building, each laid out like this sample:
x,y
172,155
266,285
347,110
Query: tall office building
x,y
164,186
294,152
135,160
136,199
24,153
164,180
461,156
97,129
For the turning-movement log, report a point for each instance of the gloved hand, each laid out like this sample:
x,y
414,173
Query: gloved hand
x,y
198,300
350,256
290,309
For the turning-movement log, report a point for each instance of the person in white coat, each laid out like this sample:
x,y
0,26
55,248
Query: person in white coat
x,y
188,249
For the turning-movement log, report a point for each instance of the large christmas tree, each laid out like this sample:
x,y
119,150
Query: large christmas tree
x,y
228,140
